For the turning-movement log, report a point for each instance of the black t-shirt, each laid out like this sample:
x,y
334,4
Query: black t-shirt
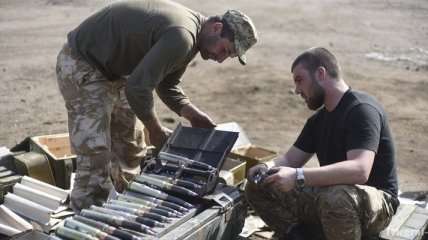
x,y
358,122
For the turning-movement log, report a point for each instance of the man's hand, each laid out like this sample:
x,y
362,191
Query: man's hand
x,y
158,138
252,172
158,134
196,117
281,178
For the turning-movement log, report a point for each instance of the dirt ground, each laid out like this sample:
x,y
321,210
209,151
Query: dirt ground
x,y
382,46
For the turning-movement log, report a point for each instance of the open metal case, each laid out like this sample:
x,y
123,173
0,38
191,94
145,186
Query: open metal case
x,y
207,150
177,195
196,155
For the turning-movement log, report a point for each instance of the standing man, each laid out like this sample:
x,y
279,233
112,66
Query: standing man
x,y
354,191
107,72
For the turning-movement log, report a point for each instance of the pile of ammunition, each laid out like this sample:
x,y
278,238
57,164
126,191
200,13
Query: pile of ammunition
x,y
147,207
155,201
193,178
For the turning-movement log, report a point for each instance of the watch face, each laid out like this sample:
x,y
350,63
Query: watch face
x,y
300,180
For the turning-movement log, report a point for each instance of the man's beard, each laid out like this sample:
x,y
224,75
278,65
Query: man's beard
x,y
206,45
316,96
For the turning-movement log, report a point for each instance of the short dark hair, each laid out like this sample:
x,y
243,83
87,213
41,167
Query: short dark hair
x,y
226,32
315,57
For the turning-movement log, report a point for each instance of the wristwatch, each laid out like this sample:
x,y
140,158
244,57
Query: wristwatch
x,y
300,179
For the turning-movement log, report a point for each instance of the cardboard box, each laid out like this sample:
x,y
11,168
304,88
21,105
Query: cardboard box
x,y
237,168
57,148
244,150
253,155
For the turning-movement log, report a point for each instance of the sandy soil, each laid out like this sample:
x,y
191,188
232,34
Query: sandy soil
x,y
382,46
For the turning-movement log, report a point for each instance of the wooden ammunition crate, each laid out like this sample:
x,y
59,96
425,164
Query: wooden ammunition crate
x,y
237,168
57,148
252,155
244,150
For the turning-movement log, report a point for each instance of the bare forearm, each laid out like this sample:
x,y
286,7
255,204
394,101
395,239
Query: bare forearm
x,y
188,111
153,125
294,158
346,172
196,117
279,161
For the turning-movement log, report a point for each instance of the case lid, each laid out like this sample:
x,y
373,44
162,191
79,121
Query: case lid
x,y
242,141
202,147
210,146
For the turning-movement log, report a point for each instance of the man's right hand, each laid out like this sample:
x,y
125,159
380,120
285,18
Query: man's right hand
x,y
159,137
158,134
252,172
196,117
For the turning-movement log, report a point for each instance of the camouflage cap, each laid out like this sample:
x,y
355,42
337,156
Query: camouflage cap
x,y
244,31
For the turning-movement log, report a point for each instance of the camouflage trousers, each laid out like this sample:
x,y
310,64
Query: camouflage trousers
x,y
331,212
105,134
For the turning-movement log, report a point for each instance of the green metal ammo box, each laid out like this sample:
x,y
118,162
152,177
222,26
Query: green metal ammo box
x,y
8,176
6,185
223,220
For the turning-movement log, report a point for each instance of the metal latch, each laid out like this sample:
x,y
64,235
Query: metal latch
x,y
226,203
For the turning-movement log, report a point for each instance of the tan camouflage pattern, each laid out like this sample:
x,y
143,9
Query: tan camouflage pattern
x,y
244,31
332,212
105,134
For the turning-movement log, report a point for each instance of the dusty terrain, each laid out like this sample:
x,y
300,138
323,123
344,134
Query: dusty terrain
x,y
382,45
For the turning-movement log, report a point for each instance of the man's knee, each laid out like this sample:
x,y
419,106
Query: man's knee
x,y
333,198
92,182
257,198
337,205
338,212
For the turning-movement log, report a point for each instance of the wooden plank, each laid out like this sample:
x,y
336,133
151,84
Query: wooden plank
x,y
399,238
422,211
417,221
408,233
397,221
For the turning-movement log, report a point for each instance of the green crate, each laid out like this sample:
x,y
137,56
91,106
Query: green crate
x,y
6,185
57,148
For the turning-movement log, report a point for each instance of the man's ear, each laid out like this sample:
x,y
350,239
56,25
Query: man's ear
x,y
321,72
216,27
